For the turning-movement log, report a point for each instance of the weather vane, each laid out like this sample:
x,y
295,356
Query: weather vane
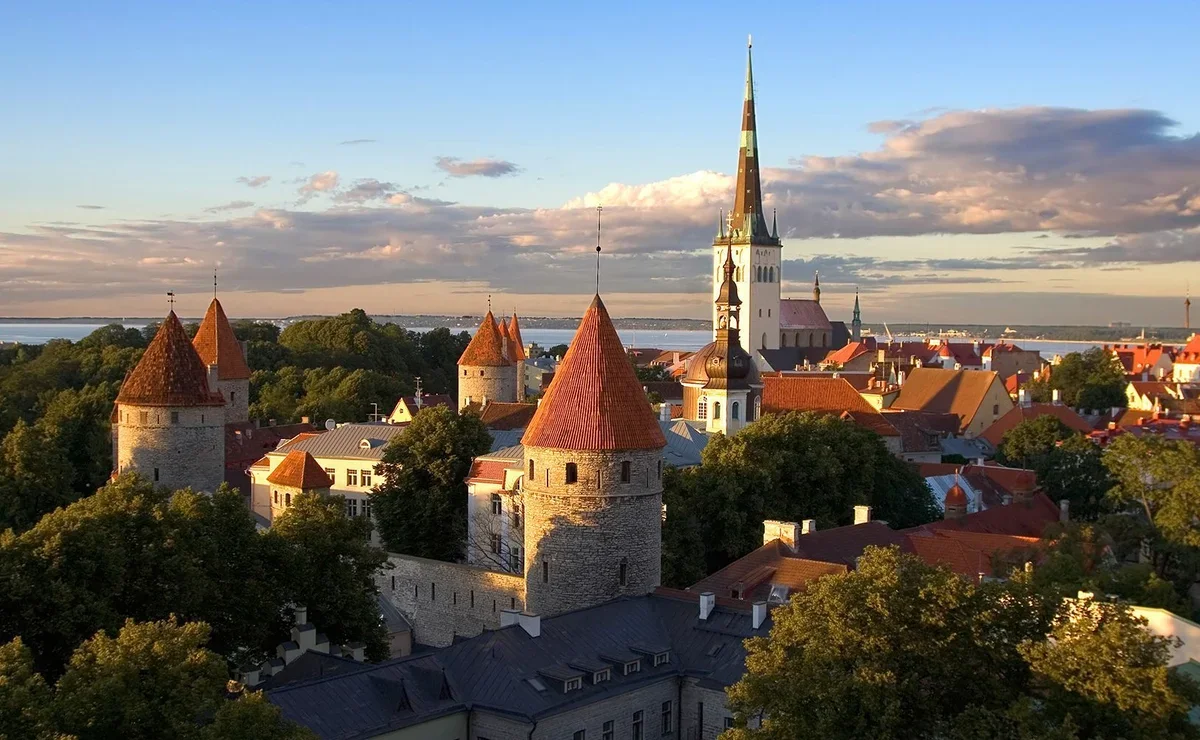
x,y
171,299
599,210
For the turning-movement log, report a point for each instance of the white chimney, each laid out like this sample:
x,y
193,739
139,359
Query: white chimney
x,y
1056,397
1023,397
787,532
900,378
509,617
664,412
808,526
981,461
301,614
1064,511
758,614
708,600
484,402
862,514
531,623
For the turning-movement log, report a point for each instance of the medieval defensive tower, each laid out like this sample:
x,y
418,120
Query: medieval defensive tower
x,y
593,479
485,371
170,425
217,346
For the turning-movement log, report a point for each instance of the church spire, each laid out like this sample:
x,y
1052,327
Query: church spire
x,y
748,218
856,320
817,287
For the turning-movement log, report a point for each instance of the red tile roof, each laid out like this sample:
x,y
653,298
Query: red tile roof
x,y
490,471
823,395
1026,519
217,345
486,347
773,563
499,416
847,353
595,401
1137,358
994,434
170,373
514,334
300,470
966,553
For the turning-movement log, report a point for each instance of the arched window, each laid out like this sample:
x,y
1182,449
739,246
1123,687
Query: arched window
x,y
572,473
764,338
626,471
660,469
276,496
716,410
824,339
733,411
810,340
783,340
758,274
464,373
288,499
702,410
770,274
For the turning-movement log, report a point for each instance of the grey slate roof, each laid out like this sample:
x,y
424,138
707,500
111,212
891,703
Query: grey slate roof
x,y
490,672
347,442
392,617
505,438
685,441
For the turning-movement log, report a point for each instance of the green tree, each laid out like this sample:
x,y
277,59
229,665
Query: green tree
x,y
893,649
35,477
252,717
328,565
1094,379
652,373
1032,439
791,467
683,550
77,423
153,680
558,350
1068,465
24,696
421,505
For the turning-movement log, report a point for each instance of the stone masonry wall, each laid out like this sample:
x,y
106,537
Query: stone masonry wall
x,y
712,723
237,400
577,535
494,383
520,381
442,600
190,452
619,710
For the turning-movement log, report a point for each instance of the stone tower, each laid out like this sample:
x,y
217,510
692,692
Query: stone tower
x,y
722,386
517,355
593,479
217,346
170,425
484,372
756,249
856,321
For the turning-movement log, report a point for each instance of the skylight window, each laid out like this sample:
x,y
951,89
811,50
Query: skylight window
x,y
536,683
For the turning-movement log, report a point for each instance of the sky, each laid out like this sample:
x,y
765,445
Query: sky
x,y
995,162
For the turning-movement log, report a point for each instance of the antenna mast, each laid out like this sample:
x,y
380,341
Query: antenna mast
x,y
599,209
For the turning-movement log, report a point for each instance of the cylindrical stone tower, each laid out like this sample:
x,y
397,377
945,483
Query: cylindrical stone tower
x,y
593,479
483,370
217,345
170,425
517,355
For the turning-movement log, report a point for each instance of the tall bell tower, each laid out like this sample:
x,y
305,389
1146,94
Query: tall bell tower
x,y
755,246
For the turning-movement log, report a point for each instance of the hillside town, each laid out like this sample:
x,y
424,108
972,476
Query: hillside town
x,y
639,540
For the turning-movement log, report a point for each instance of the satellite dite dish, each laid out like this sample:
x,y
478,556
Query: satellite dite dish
x,y
330,425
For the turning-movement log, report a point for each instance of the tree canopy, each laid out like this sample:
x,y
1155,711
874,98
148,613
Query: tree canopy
x,y
1094,379
791,467
1068,465
421,504
899,649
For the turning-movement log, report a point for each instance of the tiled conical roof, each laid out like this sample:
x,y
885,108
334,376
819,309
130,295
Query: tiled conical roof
x,y
300,470
170,372
595,401
505,340
485,349
514,333
216,344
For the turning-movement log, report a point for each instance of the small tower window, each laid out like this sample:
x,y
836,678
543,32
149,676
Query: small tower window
x,y
770,274
481,373
232,397
144,417
716,410
623,572
464,373
783,340
174,417
660,469
156,475
702,410
733,411
572,473
277,501
545,571
757,408
810,340
288,498
531,470
626,471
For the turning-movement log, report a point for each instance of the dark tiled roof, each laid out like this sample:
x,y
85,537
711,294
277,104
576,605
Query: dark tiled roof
x,y
802,313
670,390
920,431
994,434
217,345
170,373
790,358
1022,518
486,347
501,416
300,470
596,401
844,545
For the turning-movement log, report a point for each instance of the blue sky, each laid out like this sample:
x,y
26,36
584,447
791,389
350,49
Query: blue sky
x,y
153,110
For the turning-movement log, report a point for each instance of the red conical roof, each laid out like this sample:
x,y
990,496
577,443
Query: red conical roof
x,y
300,470
514,333
170,372
486,348
595,401
217,345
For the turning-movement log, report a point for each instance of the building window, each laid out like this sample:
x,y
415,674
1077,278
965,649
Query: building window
x,y
601,676
660,469
156,475
760,313
497,504
579,734
144,416
702,410
495,544
729,723
174,417
716,410
623,572
330,472
995,409
768,313
810,340
514,560
481,373
287,499
666,718
783,340
352,477
531,470
276,496
662,658
232,397
626,471
572,473
432,591
636,732
393,583
365,477
633,666
608,731
757,408
573,684
734,411
366,504
351,507
545,571
516,516
700,715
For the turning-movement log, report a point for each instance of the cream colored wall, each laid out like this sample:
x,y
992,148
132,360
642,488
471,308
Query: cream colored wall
x,y
995,398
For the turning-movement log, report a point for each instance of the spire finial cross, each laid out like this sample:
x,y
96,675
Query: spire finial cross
x,y
489,302
214,283
171,299
599,210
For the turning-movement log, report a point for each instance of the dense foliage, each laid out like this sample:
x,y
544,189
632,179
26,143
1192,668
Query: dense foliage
x,y
421,504
1094,379
151,681
1068,465
899,649
791,467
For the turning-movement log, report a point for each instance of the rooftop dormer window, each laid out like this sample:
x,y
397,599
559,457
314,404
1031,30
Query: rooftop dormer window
x,y
572,684
662,658
633,666
601,676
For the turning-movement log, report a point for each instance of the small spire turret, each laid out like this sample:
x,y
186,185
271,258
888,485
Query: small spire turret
x,y
817,286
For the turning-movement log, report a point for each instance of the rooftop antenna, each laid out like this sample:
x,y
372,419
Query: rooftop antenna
x,y
418,399
599,209
214,283
489,302
171,299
